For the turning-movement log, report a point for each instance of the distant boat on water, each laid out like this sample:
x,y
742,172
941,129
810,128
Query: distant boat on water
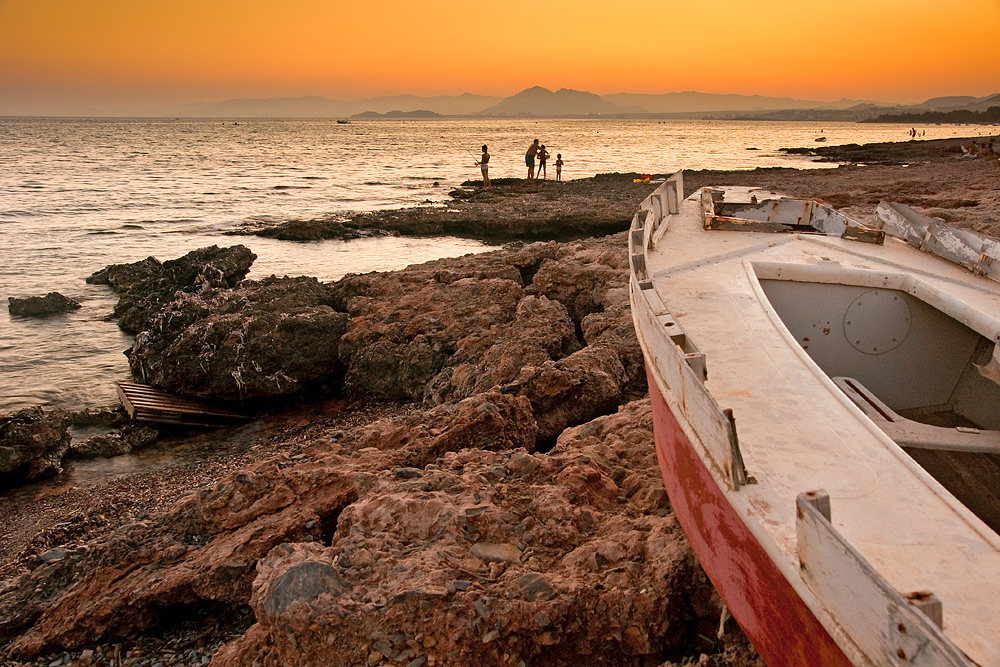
x,y
826,413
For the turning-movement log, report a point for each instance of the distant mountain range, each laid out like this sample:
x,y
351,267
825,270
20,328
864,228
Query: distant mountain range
x,y
465,104
538,102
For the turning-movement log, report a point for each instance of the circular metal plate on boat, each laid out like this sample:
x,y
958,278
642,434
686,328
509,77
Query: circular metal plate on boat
x,y
877,321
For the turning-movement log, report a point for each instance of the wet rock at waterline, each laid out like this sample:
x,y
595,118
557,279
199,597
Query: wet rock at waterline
x,y
41,306
144,287
32,446
128,438
35,444
267,338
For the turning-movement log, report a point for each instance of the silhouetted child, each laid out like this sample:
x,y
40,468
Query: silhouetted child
x,y
559,164
543,157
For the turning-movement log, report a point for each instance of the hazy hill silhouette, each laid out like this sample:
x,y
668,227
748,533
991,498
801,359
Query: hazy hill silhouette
x,y
538,101
542,102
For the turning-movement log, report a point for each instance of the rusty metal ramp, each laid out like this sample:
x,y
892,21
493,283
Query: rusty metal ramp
x,y
149,404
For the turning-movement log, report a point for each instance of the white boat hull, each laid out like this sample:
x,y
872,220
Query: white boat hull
x,y
899,571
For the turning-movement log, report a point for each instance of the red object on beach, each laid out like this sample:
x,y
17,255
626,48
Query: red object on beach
x,y
829,543
770,612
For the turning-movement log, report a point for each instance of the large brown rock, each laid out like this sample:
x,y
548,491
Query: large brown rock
x,y
32,446
613,328
540,331
490,421
395,344
449,329
590,278
491,559
582,273
573,390
144,287
267,338
41,306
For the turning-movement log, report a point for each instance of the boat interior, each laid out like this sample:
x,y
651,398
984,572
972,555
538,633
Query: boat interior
x,y
925,378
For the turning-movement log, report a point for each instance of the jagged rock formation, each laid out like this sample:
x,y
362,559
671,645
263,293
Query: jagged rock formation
x,y
145,287
31,446
265,338
436,534
435,332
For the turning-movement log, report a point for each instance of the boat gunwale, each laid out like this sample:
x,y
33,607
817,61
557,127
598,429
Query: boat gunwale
x,y
740,499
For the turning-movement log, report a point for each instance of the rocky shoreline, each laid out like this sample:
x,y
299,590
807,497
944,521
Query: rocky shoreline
x,y
514,209
451,464
560,211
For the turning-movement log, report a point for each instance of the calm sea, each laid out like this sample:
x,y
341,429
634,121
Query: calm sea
x,y
78,194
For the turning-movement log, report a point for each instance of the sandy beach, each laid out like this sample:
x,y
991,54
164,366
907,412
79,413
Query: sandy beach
x,y
474,484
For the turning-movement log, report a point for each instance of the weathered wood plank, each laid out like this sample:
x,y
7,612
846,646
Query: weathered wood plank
x,y
874,614
145,403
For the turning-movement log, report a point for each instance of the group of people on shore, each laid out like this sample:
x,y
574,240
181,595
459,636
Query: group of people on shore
x,y
535,151
975,149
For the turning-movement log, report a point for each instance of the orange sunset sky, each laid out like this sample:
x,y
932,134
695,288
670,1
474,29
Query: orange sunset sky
x,y
151,56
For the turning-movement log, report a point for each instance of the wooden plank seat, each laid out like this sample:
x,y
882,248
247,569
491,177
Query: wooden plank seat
x,y
149,404
908,433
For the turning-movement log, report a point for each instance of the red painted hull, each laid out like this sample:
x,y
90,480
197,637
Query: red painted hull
x,y
775,619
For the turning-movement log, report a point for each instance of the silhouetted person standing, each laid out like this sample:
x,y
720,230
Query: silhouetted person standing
x,y
543,158
484,164
529,158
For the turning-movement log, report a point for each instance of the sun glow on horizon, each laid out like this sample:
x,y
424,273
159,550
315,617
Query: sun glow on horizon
x,y
68,54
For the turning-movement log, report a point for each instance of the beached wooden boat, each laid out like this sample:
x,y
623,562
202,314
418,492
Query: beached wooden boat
x,y
827,420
